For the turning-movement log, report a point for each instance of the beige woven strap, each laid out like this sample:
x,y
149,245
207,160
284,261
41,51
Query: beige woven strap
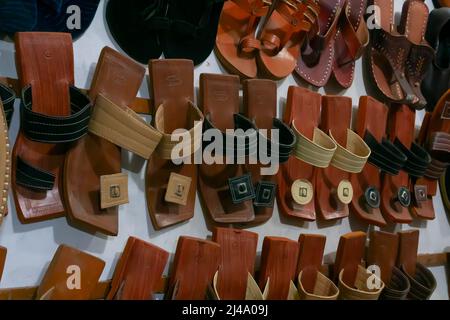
x,y
324,289
5,164
123,127
353,157
360,290
317,152
188,142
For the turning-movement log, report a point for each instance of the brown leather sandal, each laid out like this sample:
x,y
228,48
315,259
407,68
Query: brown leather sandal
x,y
3,252
238,254
91,202
434,135
312,284
282,36
382,256
422,280
225,190
314,148
279,258
54,114
236,43
71,275
353,278
334,192
171,176
351,40
195,263
315,61
371,122
138,272
386,58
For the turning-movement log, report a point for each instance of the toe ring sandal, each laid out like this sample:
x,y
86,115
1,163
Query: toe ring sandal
x,y
7,97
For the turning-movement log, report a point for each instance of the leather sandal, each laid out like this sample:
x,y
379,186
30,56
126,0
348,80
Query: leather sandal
x,y
130,281
315,61
382,255
195,263
314,148
3,252
444,186
334,191
371,126
434,135
282,35
171,176
279,258
54,114
352,277
437,78
236,43
226,191
92,202
7,98
421,278
351,39
260,104
386,58
237,264
312,284
192,29
413,25
71,275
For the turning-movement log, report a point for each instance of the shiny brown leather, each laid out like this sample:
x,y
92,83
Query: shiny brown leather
x,y
3,252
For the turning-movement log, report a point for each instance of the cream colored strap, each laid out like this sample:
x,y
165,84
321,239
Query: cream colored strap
x,y
324,289
354,156
5,164
367,286
123,127
317,152
186,141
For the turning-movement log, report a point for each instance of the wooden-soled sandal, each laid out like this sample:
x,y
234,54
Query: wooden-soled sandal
x,y
3,252
334,192
421,278
226,191
237,264
195,264
434,135
279,258
54,114
311,283
382,255
236,43
282,35
371,123
315,61
314,148
92,201
348,272
171,176
71,275
138,272
352,38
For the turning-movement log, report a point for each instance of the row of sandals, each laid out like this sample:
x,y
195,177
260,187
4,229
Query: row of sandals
x,y
224,269
66,160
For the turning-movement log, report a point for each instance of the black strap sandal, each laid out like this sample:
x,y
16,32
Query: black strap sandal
x,y
7,97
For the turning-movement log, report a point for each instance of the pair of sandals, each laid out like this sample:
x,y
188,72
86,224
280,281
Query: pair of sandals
x,y
271,53
317,178
240,191
177,28
399,56
334,44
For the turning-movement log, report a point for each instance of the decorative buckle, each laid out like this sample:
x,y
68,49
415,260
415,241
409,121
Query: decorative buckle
x,y
302,191
113,190
345,192
420,193
446,112
372,197
241,188
265,194
404,197
178,189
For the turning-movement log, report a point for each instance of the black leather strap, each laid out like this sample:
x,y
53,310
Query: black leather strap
x,y
423,283
32,177
56,129
285,144
398,288
418,159
7,97
385,155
